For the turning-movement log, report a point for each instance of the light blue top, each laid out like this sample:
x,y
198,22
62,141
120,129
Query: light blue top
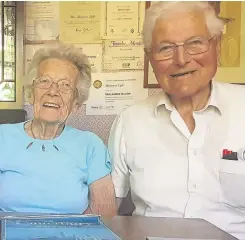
x,y
49,176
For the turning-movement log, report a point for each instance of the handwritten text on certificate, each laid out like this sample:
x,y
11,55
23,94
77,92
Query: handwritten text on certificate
x,y
112,92
80,22
30,50
123,55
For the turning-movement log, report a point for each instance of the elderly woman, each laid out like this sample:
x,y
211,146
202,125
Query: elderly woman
x,y
46,166
178,151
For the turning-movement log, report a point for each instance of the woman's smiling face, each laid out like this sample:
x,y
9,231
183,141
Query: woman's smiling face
x,y
54,93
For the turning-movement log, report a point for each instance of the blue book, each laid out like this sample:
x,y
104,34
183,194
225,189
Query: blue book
x,y
55,227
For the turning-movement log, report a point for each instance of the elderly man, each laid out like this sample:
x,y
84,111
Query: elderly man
x,y
179,150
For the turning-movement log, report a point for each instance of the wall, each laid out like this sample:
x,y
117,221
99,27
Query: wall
x,y
100,124
63,16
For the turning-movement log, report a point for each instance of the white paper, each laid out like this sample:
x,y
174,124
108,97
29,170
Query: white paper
x,y
123,55
29,51
112,92
94,53
41,21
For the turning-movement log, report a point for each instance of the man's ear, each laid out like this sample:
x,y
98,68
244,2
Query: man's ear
x,y
147,54
218,46
149,57
218,50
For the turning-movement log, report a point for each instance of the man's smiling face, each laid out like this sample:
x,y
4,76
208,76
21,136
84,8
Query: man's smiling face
x,y
184,74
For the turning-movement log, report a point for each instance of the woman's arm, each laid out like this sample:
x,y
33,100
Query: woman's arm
x,y
102,199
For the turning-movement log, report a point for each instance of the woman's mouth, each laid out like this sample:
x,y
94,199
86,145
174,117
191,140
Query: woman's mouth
x,y
51,105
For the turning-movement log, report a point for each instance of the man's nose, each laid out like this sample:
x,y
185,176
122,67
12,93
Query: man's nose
x,y
181,57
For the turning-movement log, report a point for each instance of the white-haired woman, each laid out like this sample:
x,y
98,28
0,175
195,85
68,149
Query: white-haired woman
x,y
46,166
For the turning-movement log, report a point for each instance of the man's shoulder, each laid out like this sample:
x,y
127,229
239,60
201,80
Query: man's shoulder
x,y
144,107
229,88
232,97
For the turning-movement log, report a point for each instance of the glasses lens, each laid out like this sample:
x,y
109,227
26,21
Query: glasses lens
x,y
164,51
65,86
43,82
196,46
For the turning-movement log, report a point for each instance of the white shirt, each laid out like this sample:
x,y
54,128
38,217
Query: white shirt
x,y
173,173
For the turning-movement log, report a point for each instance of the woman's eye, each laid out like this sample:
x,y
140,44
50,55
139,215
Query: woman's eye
x,y
65,84
44,81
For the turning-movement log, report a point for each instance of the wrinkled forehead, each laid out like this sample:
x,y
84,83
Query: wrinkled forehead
x,y
53,64
180,27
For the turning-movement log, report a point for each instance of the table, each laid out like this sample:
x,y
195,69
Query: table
x,y
138,228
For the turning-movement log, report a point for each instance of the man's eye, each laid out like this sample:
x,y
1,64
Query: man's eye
x,y
165,48
196,42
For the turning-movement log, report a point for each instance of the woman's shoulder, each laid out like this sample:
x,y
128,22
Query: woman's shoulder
x,y
10,132
10,127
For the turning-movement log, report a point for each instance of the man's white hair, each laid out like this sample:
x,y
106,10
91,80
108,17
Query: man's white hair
x,y
165,10
66,52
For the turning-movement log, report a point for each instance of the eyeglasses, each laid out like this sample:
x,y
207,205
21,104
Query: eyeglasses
x,y
192,46
46,82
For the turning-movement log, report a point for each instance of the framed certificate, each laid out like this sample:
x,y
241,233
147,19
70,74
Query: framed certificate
x,y
122,19
121,55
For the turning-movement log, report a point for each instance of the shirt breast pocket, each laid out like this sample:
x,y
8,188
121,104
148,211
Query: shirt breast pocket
x,y
232,183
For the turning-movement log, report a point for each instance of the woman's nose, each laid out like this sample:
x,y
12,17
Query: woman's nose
x,y
54,88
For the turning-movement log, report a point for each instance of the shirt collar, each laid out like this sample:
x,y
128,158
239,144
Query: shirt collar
x,y
215,100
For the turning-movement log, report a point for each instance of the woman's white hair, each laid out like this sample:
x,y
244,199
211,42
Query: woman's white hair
x,y
66,52
165,10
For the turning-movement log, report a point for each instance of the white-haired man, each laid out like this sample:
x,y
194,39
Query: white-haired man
x,y
177,151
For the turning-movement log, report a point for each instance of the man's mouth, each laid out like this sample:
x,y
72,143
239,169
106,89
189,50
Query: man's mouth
x,y
182,74
51,105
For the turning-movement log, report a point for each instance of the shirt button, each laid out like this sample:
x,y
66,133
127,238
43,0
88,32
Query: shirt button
x,y
195,152
194,186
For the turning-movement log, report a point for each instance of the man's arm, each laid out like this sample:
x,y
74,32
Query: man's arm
x,y
117,151
102,198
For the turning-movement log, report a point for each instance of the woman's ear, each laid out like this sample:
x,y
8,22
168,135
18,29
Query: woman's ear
x,y
30,95
75,106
